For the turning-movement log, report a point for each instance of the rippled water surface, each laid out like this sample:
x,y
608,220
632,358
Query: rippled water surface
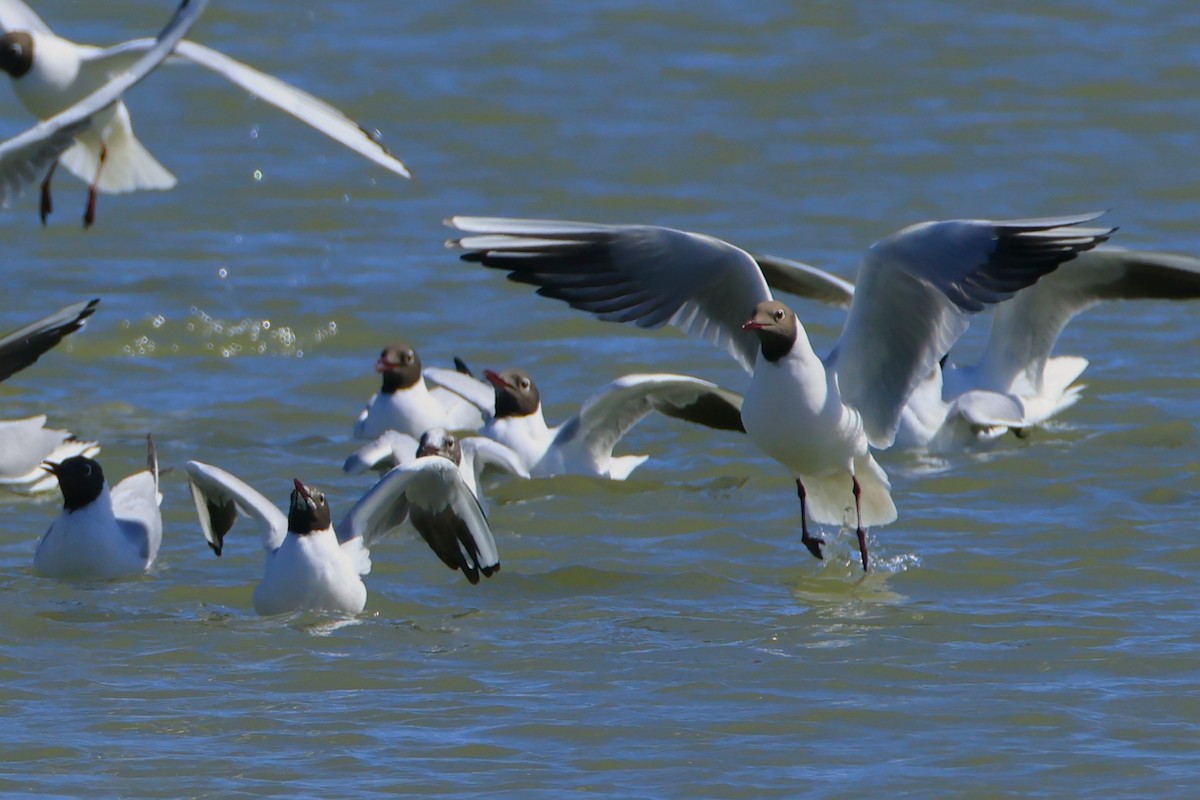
x,y
1031,628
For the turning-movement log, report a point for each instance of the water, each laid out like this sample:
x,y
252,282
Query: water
x,y
1031,629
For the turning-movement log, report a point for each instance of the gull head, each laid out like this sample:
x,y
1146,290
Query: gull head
x,y
16,53
309,511
400,367
80,478
516,393
776,326
440,442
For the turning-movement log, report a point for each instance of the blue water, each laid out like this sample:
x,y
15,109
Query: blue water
x,y
1031,629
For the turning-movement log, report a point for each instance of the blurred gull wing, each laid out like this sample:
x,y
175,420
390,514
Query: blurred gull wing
x,y
313,111
23,347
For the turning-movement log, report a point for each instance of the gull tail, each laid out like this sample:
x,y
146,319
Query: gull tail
x,y
830,498
128,166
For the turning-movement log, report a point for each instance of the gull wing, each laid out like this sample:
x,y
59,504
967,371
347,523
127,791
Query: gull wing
x,y
16,16
916,290
1025,328
219,496
476,392
611,412
803,280
385,452
312,111
27,157
431,491
23,347
642,274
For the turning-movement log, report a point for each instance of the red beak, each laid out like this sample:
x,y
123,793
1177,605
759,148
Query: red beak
x,y
495,379
752,325
302,489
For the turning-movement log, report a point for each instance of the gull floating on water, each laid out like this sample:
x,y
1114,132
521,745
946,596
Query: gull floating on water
x,y
50,73
405,404
102,534
916,290
310,566
26,443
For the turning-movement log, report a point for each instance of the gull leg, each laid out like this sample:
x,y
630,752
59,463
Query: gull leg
x,y
89,216
47,205
811,542
862,535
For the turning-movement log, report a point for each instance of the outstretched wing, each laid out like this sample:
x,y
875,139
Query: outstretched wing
x,y
611,412
628,273
23,347
219,495
916,290
310,110
431,491
1025,328
16,16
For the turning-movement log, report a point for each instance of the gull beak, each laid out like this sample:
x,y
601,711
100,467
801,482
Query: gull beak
x,y
752,325
495,380
302,489
50,467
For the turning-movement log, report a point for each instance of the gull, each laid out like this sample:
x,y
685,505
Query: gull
x,y
102,534
818,417
31,155
405,404
1017,384
583,444
471,453
311,566
26,443
50,73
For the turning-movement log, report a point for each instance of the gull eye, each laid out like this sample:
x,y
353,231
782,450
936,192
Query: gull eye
x,y
523,383
778,314
87,470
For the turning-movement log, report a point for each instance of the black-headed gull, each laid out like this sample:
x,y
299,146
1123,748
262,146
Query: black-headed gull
x,y
30,156
26,443
310,567
405,404
583,444
1017,384
472,454
818,417
102,533
50,73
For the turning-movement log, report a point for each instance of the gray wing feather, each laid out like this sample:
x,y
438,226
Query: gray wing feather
x,y
916,290
23,347
218,496
642,274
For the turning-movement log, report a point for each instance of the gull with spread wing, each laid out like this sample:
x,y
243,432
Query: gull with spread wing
x,y
916,290
50,74
313,566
